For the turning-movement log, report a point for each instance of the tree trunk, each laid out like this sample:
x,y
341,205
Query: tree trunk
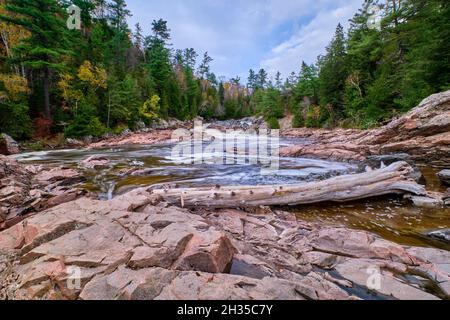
x,y
47,110
390,180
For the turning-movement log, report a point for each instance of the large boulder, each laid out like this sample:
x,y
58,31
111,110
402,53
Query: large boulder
x,y
8,146
97,237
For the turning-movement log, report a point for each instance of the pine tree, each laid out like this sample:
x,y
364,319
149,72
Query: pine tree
x,y
333,73
278,81
190,58
158,62
261,79
307,85
48,45
120,42
252,80
138,37
204,69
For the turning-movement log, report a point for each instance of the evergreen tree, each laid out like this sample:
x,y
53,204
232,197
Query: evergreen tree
x,y
307,85
278,81
45,51
252,80
333,73
190,58
204,68
158,62
120,42
261,81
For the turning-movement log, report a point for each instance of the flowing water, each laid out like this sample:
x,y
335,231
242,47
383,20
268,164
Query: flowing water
x,y
133,166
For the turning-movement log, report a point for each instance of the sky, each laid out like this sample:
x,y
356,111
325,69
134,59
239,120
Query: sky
x,y
249,34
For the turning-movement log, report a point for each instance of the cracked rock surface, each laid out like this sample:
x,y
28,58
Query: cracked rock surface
x,y
129,248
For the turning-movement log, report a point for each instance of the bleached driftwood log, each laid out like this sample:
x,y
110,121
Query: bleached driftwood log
x,y
389,180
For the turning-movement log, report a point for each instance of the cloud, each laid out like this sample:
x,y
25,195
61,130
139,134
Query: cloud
x,y
310,40
244,34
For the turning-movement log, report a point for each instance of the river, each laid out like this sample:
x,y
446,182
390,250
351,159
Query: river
x,y
392,218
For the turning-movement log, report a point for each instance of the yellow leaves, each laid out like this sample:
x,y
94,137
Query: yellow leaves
x,y
87,76
11,35
15,86
68,92
150,109
95,76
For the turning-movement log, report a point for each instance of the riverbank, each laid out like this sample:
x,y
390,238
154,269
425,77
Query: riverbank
x,y
420,136
128,248
76,225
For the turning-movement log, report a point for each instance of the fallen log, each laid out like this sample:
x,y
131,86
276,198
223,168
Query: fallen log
x,y
394,179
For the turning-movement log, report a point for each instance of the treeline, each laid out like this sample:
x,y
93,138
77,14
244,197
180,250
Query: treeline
x,y
107,77
380,69
102,78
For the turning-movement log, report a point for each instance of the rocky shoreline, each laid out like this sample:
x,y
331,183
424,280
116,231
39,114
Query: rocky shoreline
x,y
422,135
128,248
58,241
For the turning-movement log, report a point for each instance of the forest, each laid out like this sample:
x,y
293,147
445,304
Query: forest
x,y
109,76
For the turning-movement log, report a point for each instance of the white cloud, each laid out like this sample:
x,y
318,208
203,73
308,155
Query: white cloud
x,y
244,34
310,40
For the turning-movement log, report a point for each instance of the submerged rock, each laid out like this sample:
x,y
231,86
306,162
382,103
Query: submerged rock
x,y
442,235
446,198
444,175
94,162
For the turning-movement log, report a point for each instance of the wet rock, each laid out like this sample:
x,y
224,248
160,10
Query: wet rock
x,y
446,198
60,174
249,266
444,175
8,146
389,158
427,202
142,172
95,162
379,279
435,267
442,235
74,143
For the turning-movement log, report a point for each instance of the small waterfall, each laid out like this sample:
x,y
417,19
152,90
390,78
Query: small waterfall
x,y
106,186
110,187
